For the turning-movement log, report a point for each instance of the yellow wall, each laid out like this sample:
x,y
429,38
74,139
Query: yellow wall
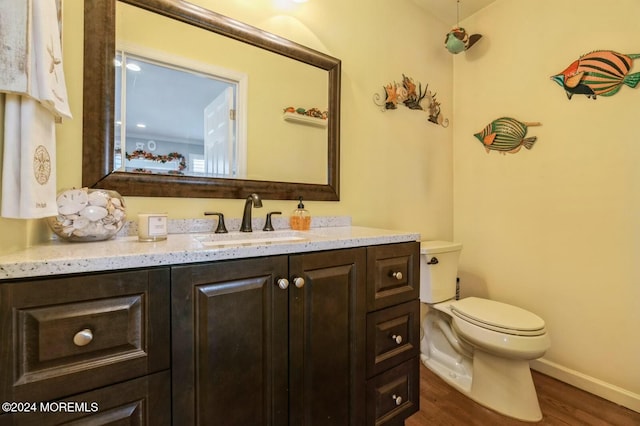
x,y
395,166
556,229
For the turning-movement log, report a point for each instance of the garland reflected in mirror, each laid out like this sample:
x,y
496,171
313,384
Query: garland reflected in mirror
x,y
104,161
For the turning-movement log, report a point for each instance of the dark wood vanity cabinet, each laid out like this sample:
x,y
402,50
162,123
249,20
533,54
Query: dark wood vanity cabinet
x,y
93,347
339,348
270,341
393,333
321,338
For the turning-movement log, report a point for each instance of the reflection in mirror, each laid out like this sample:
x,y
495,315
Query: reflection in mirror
x,y
177,120
284,74
275,150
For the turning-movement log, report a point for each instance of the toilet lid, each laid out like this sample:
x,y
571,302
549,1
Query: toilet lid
x,y
498,316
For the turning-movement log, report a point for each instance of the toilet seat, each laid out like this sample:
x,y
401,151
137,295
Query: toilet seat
x,y
497,316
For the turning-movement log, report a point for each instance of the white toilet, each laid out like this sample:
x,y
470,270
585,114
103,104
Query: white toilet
x,y
479,346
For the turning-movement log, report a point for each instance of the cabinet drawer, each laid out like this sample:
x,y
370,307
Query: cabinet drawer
x,y
77,333
394,395
393,336
394,274
142,401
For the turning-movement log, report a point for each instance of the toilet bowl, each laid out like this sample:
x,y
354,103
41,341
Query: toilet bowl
x,y
481,347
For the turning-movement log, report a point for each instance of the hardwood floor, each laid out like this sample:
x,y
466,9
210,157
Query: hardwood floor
x,y
561,404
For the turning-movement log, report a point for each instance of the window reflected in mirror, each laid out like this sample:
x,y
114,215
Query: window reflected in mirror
x,y
180,120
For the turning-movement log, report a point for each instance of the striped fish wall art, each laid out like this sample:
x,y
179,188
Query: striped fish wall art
x,y
602,72
506,135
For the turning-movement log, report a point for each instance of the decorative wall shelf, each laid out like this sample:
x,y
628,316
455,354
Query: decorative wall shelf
x,y
304,119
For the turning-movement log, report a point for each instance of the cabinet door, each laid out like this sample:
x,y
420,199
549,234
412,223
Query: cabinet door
x,y
327,327
61,336
393,271
394,395
143,402
393,336
229,343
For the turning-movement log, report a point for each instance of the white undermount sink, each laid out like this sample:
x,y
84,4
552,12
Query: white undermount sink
x,y
250,238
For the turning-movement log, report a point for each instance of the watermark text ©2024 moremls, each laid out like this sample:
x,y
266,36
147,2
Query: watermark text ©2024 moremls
x,y
50,407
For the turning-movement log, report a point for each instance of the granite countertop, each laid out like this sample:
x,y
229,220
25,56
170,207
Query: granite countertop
x,y
124,252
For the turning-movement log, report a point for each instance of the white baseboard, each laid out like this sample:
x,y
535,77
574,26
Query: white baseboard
x,y
590,384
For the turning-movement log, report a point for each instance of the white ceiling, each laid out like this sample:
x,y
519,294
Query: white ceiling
x,y
446,10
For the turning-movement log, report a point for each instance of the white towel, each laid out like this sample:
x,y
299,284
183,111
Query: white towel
x,y
47,82
29,162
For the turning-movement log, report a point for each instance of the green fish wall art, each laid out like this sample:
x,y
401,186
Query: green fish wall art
x,y
602,72
506,135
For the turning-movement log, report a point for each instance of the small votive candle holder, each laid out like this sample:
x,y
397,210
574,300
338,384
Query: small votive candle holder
x,y
152,226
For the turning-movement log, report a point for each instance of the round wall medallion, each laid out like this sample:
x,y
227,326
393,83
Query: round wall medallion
x,y
41,165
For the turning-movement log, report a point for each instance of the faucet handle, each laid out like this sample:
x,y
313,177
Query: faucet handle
x,y
221,229
267,224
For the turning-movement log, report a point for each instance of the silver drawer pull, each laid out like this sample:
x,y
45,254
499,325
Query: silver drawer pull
x,y
397,338
397,275
283,283
83,337
397,399
298,282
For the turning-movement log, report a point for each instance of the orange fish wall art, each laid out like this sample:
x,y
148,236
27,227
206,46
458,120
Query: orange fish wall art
x,y
599,73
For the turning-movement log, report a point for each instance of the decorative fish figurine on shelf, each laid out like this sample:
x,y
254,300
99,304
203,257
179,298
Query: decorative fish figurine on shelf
x,y
506,134
602,72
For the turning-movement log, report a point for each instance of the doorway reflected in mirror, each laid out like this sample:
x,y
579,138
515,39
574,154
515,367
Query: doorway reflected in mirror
x,y
178,117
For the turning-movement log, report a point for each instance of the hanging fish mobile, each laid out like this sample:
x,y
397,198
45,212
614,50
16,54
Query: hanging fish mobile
x,y
602,72
506,135
458,40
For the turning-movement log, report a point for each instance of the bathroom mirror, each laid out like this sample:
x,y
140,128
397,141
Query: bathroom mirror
x,y
99,107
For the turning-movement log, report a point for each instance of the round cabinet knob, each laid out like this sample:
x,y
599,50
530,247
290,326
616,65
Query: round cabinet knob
x,y
397,399
283,283
397,338
298,282
83,337
397,275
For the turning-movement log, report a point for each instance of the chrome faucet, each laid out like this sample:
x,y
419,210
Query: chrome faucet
x,y
252,200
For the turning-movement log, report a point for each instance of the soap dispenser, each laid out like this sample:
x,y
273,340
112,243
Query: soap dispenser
x,y
300,218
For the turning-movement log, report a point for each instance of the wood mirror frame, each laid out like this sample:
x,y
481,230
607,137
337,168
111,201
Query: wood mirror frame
x,y
99,99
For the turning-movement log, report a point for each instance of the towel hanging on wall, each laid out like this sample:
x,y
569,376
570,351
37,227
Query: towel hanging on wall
x,y
36,98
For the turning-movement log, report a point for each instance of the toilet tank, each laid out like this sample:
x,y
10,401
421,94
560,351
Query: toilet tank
x,y
438,270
